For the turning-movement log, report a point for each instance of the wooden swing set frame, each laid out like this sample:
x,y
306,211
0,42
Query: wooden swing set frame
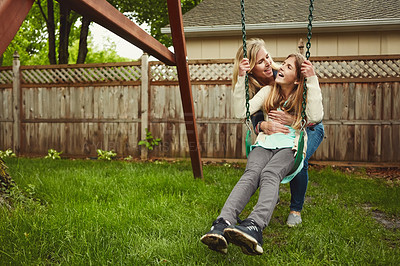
x,y
13,13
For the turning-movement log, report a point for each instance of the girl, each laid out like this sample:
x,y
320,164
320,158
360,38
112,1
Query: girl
x,y
315,132
271,158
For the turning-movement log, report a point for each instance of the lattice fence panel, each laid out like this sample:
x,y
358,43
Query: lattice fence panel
x,y
6,76
332,69
220,71
389,68
160,72
198,72
81,75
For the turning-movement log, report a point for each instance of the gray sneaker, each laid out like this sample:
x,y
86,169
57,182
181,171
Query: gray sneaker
x,y
293,220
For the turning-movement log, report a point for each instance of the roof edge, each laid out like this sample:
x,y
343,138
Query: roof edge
x,y
292,27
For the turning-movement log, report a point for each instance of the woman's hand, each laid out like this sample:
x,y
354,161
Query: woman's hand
x,y
307,69
281,117
244,66
272,127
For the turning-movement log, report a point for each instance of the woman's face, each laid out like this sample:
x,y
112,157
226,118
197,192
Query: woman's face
x,y
262,70
287,74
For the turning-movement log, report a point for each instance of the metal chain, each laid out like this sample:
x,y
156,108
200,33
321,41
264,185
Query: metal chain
x,y
308,46
245,56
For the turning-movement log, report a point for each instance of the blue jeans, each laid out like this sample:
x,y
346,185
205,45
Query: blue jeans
x,y
298,185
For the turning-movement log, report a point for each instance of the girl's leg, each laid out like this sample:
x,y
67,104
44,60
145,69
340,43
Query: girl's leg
x,y
276,169
298,186
247,185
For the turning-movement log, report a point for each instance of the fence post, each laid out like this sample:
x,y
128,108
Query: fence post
x,y
144,104
16,98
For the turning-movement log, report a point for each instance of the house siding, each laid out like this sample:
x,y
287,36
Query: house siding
x,y
323,44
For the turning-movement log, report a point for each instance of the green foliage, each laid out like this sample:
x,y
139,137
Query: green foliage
x,y
53,154
153,13
32,44
7,153
95,54
128,158
105,155
150,142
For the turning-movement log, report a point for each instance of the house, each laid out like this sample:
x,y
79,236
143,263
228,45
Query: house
x,y
340,27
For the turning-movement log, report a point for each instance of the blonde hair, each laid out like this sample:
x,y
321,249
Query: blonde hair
x,y
253,46
292,105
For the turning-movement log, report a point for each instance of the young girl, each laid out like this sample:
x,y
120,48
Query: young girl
x,y
270,160
262,75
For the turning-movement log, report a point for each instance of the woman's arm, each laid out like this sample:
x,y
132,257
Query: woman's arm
x,y
239,99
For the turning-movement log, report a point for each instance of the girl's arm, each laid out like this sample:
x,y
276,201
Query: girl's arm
x,y
239,99
314,109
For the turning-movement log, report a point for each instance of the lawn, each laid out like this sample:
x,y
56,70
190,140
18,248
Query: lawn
x,y
88,212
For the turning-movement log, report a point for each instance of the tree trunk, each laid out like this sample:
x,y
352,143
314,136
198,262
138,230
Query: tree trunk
x,y
83,50
65,28
51,28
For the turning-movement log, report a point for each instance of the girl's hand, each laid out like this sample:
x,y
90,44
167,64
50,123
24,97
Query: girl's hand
x,y
272,127
281,117
244,66
307,69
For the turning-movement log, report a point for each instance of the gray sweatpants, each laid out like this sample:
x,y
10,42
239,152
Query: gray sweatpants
x,y
265,169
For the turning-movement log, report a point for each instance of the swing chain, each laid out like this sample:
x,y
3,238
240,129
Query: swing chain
x,y
309,27
308,46
245,56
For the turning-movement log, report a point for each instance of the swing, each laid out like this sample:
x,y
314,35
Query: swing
x,y
300,145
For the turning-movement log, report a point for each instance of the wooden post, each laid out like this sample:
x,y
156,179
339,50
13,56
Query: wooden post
x,y
144,104
178,39
12,14
16,104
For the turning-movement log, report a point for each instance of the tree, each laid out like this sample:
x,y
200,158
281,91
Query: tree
x,y
51,29
153,13
37,41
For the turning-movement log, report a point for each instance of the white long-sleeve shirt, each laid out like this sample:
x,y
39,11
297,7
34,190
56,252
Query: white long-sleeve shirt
x,y
314,108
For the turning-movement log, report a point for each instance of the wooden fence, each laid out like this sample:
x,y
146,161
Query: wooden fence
x,y
78,109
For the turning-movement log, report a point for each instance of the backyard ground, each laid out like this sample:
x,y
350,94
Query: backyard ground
x,y
84,212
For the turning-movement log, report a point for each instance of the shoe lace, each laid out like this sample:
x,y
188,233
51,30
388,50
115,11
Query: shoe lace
x,y
251,224
220,221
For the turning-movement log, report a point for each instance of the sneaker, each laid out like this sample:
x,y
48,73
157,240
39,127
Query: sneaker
x,y
293,220
215,239
247,235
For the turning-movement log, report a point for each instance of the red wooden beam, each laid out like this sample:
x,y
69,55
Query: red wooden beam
x,y
12,14
110,18
178,39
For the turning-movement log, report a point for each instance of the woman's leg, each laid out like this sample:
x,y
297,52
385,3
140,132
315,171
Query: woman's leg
x,y
247,185
298,186
276,169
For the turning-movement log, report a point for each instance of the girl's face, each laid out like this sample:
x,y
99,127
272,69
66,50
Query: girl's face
x,y
262,70
287,74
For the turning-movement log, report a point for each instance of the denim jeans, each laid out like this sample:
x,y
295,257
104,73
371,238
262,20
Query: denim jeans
x,y
298,185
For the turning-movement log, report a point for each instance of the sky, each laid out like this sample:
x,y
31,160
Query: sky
x,y
102,36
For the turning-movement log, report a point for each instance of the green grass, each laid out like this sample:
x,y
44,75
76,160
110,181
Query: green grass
x,y
127,213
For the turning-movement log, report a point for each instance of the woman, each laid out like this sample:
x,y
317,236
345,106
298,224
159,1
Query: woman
x,y
271,159
315,132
